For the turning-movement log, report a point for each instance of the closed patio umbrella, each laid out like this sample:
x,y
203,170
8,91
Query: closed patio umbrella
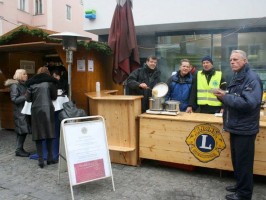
x,y
122,40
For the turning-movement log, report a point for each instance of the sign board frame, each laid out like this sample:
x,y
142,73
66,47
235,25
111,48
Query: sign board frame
x,y
84,142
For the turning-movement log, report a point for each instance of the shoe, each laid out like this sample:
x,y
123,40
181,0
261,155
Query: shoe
x,y
22,153
26,152
51,162
41,163
231,188
235,196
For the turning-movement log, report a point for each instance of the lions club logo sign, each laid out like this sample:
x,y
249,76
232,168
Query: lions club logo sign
x,y
205,142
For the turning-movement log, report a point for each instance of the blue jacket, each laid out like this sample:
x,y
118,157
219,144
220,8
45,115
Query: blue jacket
x,y
242,103
179,89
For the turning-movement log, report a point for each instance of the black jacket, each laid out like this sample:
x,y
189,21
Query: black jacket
x,y
143,75
242,103
41,91
17,94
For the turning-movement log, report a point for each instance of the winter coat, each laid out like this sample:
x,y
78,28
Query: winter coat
x,y
41,92
242,103
179,89
17,94
143,75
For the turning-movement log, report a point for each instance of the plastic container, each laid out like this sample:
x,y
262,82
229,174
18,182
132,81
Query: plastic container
x,y
98,87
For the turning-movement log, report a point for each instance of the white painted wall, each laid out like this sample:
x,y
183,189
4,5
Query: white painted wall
x,y
157,12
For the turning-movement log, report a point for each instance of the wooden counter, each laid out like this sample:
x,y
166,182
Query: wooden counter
x,y
6,110
193,139
121,120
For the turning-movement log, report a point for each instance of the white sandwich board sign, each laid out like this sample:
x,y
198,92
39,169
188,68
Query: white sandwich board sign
x,y
86,150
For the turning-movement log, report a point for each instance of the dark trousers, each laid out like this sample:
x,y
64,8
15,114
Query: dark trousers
x,y
242,153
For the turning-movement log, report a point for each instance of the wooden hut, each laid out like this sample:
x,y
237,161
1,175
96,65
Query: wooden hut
x,y
30,48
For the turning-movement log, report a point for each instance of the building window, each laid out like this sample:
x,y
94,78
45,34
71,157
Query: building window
x,y
68,12
170,49
23,5
38,7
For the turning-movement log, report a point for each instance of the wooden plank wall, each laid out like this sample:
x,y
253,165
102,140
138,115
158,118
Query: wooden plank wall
x,y
83,82
165,140
10,62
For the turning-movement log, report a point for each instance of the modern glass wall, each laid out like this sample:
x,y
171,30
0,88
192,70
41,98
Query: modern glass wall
x,y
170,49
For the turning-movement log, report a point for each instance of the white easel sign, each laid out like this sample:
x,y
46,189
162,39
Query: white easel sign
x,y
86,148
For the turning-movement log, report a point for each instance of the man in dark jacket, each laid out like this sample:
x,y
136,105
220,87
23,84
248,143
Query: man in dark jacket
x,y
241,117
142,80
204,81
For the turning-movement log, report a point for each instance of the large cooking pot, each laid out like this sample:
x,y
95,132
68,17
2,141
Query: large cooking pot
x,y
172,106
159,90
156,103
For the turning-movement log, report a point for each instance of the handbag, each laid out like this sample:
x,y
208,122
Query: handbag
x,y
70,110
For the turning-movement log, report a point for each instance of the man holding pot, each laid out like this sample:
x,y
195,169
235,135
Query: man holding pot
x,y
142,80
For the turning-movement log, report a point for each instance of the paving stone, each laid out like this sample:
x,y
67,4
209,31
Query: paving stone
x,y
22,179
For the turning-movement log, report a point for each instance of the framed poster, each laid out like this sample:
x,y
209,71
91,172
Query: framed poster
x,y
81,66
29,66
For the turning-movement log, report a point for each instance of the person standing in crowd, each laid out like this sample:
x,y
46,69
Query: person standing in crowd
x,y
203,83
59,71
62,84
22,122
242,103
41,91
179,85
142,80
193,69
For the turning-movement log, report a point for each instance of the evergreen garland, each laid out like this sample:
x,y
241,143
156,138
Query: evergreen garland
x,y
98,46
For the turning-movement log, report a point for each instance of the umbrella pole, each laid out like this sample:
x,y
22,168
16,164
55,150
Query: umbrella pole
x,y
69,60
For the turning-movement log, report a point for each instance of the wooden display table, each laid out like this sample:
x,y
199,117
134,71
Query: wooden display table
x,y
121,119
193,139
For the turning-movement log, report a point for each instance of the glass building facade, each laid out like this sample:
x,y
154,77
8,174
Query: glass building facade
x,y
172,47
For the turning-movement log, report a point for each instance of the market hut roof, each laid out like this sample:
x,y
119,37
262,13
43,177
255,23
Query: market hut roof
x,y
25,38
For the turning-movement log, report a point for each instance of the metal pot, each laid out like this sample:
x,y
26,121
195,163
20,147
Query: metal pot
x,y
156,103
172,106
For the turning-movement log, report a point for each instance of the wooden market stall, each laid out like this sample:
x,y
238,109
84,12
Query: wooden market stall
x,y
121,119
193,139
31,45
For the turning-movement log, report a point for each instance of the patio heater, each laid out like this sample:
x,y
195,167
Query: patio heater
x,y
69,45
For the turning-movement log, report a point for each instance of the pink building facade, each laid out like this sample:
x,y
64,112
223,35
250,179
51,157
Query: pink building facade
x,y
56,15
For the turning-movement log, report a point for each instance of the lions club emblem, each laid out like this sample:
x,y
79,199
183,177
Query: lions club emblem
x,y
205,142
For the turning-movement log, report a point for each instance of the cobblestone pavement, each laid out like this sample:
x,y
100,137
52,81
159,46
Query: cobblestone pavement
x,y
22,179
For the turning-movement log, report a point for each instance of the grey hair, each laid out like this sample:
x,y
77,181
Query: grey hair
x,y
243,54
18,74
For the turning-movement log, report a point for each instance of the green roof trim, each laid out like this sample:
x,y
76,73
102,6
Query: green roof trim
x,y
101,47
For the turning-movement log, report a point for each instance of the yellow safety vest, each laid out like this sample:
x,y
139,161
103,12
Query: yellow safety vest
x,y
204,93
